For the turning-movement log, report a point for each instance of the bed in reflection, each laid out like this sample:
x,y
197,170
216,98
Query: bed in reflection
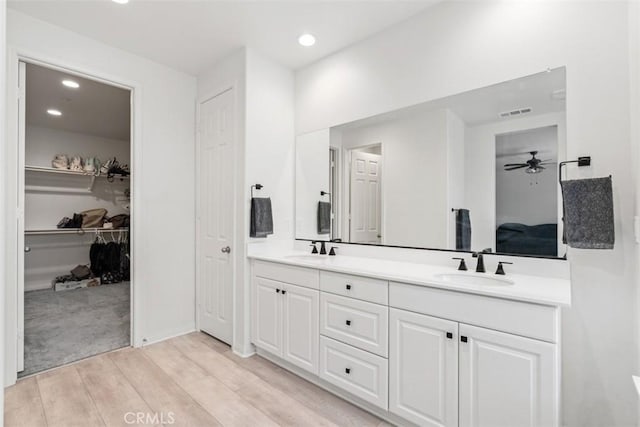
x,y
514,238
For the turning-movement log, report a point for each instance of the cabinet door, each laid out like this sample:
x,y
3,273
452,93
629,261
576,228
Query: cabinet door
x,y
301,327
423,368
506,380
267,315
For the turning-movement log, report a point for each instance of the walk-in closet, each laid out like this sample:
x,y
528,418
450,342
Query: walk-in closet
x,y
76,218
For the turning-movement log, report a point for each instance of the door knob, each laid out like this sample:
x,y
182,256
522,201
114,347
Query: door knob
x,y
226,250
27,249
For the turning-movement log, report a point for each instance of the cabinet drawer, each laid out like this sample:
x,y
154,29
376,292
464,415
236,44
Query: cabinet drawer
x,y
300,276
515,317
364,288
359,323
360,373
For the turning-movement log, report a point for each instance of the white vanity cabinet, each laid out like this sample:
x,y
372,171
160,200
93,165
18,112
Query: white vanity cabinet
x,y
423,368
412,353
285,317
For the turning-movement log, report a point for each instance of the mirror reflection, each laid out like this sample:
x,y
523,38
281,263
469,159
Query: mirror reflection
x,y
475,171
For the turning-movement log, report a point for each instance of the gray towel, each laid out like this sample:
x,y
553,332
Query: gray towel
x,y
261,217
463,230
588,213
324,217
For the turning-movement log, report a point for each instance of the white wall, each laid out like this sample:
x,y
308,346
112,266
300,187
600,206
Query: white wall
x,y
163,253
3,56
265,155
414,159
457,46
312,177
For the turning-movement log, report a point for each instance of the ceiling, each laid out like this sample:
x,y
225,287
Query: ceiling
x,y
94,108
481,106
192,35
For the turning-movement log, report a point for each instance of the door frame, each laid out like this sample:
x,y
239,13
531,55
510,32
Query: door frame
x,y
14,313
237,249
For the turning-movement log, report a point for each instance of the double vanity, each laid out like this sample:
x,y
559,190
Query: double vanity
x,y
414,343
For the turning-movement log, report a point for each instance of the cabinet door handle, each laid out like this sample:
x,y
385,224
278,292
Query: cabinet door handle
x,y
348,286
449,335
284,292
348,322
347,371
463,338
278,290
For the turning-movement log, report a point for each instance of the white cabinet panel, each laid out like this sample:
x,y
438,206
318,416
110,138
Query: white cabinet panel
x,y
267,315
423,369
301,329
361,373
359,323
300,276
364,288
506,380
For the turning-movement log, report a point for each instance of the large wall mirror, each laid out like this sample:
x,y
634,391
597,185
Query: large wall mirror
x,y
477,171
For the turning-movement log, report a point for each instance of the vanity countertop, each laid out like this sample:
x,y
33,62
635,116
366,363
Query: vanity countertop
x,y
529,288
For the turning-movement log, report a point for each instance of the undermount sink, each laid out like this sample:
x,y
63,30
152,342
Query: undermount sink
x,y
472,279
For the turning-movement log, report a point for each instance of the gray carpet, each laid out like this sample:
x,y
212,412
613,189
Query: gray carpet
x,y
65,326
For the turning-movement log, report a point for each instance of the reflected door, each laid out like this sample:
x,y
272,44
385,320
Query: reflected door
x,y
366,180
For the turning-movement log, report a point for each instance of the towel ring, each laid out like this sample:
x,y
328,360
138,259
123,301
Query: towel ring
x,y
582,161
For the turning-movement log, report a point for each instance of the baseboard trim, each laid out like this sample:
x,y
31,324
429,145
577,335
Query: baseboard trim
x,y
354,400
171,333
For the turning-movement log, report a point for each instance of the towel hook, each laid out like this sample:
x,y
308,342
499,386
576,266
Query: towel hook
x,y
323,193
582,161
257,187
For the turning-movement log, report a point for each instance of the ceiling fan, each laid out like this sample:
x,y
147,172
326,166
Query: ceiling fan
x,y
533,165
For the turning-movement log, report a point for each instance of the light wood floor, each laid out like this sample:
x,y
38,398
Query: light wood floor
x,y
192,380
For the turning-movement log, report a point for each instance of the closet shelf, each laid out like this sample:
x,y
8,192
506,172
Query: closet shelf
x,y
79,231
92,177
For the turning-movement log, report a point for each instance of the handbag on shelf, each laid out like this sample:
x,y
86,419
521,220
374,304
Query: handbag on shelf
x,y
93,218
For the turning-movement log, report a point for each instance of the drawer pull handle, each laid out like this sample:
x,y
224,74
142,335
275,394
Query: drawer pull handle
x,y
347,371
463,338
284,292
278,290
449,335
348,287
348,322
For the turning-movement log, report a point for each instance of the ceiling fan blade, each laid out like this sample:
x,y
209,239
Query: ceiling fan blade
x,y
548,163
516,164
516,167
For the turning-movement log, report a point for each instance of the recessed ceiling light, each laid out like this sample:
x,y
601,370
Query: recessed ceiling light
x,y
54,112
121,1
307,40
71,84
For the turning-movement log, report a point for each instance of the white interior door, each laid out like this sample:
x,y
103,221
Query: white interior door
x,y
215,216
21,250
366,204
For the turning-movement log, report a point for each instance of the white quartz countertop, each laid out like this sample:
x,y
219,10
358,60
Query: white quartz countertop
x,y
529,288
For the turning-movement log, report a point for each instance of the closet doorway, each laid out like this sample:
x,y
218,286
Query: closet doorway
x,y
74,198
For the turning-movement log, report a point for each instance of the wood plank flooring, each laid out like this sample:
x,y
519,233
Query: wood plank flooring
x,y
192,380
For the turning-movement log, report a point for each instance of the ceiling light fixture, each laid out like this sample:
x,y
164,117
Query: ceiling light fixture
x,y
54,112
120,1
71,84
307,40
